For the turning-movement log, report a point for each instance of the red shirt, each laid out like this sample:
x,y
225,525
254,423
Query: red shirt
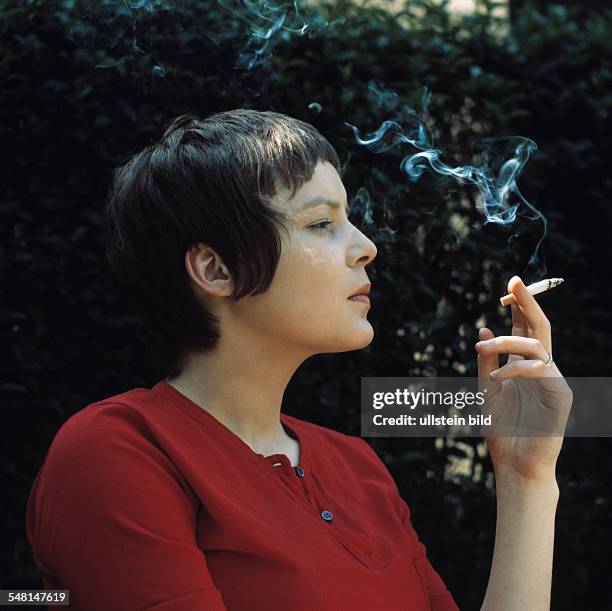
x,y
146,501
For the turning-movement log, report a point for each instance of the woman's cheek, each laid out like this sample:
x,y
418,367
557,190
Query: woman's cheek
x,y
313,257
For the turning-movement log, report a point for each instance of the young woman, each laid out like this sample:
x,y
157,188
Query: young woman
x,y
230,237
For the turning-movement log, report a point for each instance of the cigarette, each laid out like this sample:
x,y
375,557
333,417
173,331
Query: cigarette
x,y
534,289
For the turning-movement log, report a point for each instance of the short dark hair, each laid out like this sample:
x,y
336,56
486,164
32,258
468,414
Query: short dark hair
x,y
205,181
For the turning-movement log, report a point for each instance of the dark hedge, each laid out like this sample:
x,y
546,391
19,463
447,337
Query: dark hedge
x,y
86,85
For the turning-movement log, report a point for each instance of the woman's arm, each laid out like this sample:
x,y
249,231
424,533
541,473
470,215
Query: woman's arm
x,y
527,394
521,572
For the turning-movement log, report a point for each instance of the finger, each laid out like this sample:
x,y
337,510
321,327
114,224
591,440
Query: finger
x,y
519,327
519,322
533,368
527,347
487,361
533,313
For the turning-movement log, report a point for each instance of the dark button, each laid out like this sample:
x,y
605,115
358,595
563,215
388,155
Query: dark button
x,y
299,471
327,515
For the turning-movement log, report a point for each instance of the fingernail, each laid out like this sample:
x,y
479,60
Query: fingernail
x,y
496,374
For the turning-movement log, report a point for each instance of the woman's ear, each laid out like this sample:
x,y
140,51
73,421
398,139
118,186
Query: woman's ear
x,y
207,271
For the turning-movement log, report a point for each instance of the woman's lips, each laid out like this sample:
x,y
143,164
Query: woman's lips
x,y
361,298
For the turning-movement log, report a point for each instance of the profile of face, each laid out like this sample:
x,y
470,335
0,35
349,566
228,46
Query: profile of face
x,y
306,309
322,264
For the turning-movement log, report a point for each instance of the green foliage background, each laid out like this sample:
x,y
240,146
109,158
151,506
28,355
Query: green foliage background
x,y
87,84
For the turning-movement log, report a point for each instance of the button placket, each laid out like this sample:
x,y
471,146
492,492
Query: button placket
x,y
292,482
358,545
306,487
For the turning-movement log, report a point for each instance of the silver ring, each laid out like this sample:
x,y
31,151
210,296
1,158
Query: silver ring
x,y
549,362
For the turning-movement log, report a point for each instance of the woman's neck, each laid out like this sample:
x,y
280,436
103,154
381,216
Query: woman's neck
x,y
242,389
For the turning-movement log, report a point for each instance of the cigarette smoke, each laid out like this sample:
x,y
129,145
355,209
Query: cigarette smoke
x,y
269,23
498,195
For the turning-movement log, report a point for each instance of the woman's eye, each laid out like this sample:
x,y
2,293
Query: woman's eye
x,y
320,226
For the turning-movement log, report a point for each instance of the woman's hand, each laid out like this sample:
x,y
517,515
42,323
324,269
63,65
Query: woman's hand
x,y
525,395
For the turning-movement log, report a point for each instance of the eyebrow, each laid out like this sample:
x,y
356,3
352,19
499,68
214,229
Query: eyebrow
x,y
320,200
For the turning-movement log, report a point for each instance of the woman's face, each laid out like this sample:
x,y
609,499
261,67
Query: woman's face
x,y
322,263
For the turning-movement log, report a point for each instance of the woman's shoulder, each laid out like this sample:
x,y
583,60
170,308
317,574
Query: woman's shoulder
x,y
103,426
104,476
108,441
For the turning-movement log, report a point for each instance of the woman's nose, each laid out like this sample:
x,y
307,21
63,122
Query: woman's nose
x,y
365,252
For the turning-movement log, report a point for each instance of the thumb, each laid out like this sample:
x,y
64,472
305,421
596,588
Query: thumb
x,y
489,362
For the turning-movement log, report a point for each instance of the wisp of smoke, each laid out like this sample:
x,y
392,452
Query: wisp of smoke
x,y
499,197
269,23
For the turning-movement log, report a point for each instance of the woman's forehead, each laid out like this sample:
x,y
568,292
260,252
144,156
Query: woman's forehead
x,y
324,188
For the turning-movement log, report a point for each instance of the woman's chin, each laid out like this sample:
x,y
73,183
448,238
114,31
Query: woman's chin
x,y
361,337
357,335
